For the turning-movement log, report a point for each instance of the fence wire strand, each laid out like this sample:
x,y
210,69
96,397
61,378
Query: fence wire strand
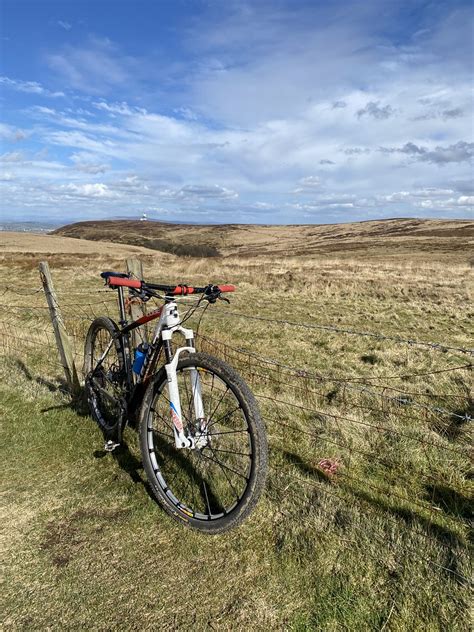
x,y
341,330
267,373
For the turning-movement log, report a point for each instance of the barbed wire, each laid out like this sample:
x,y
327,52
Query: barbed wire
x,y
397,401
370,456
21,291
347,382
342,330
351,384
302,372
322,327
362,423
61,305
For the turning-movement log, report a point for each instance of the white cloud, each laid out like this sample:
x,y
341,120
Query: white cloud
x,y
92,168
30,87
94,68
251,106
64,25
80,140
198,192
97,190
13,156
311,182
119,108
12,134
465,200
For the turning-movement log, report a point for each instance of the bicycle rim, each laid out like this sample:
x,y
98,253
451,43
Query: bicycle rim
x,y
105,383
209,482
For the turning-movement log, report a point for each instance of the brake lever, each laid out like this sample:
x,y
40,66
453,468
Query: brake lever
x,y
141,294
213,294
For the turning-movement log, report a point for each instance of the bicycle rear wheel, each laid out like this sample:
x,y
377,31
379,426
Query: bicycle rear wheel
x,y
214,486
104,385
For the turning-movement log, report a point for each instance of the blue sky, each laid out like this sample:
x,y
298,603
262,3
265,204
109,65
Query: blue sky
x,y
267,112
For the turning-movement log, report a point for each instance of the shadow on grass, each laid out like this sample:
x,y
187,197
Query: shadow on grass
x,y
53,387
411,517
122,455
452,502
129,463
78,404
457,422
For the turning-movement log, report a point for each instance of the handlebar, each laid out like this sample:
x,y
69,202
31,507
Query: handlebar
x,y
119,279
184,290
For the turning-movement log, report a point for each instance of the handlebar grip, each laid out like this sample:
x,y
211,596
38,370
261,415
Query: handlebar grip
x,y
226,288
183,289
114,282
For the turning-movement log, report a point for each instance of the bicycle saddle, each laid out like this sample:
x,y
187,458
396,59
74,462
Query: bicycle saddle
x,y
120,275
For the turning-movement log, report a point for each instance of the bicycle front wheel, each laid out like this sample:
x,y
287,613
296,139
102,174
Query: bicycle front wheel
x,y
214,486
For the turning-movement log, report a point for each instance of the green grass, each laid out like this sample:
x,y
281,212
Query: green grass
x,y
368,548
87,548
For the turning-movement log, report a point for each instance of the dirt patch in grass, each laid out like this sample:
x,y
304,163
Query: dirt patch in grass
x,y
65,538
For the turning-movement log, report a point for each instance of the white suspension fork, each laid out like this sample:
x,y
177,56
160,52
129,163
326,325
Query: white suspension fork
x,y
181,440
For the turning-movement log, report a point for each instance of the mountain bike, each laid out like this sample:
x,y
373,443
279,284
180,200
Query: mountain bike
x,y
202,440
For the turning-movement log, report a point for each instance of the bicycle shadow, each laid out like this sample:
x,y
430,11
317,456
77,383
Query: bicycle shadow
x,y
122,455
129,463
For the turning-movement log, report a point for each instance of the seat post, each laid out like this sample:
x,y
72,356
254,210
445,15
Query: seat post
x,y
121,301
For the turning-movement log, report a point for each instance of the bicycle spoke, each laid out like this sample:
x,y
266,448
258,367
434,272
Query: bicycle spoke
x,y
222,465
232,452
225,416
162,418
213,434
209,513
163,433
226,476
219,403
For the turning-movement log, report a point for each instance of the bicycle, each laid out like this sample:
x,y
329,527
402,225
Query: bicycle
x,y
202,440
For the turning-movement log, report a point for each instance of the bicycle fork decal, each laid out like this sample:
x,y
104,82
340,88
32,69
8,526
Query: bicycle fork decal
x,y
178,424
180,438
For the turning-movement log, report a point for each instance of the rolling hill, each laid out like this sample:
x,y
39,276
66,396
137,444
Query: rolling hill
x,y
372,239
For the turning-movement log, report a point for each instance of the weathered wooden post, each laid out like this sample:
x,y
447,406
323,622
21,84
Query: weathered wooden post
x,y
62,340
137,308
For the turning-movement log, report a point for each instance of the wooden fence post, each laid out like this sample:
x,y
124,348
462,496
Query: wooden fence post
x,y
137,309
62,340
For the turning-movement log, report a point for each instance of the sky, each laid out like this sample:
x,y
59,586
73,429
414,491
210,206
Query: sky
x,y
226,111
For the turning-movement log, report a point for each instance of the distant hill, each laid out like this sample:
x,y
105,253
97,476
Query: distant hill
x,y
380,238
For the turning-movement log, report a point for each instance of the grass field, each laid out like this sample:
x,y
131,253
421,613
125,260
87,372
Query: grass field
x,y
382,544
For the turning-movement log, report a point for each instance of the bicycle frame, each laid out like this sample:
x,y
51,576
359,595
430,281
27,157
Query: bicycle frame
x,y
168,324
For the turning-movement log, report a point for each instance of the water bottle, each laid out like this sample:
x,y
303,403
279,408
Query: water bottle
x,y
139,359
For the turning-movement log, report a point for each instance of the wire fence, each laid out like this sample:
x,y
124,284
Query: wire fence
x,y
397,446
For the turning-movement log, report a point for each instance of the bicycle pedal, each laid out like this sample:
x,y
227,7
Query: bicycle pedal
x,y
110,445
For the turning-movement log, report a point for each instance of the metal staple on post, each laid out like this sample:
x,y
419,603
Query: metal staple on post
x,y
62,340
137,309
